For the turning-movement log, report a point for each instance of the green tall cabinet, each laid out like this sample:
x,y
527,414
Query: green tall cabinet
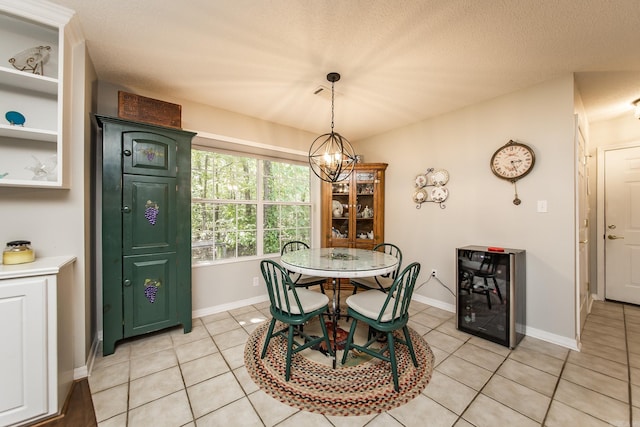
x,y
146,228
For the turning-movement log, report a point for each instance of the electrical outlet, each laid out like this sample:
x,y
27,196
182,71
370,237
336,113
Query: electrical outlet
x,y
256,282
434,272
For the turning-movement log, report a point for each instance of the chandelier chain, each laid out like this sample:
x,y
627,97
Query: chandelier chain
x,y
332,97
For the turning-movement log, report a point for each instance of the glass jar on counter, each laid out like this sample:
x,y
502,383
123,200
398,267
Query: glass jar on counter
x,y
18,252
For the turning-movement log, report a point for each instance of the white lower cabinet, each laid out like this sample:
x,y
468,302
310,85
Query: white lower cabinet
x,y
36,374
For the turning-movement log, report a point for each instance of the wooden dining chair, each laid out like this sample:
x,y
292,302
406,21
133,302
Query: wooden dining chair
x,y
385,313
293,307
384,282
302,280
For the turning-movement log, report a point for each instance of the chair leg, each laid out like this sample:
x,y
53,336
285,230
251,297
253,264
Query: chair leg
x,y
268,338
326,335
349,341
392,359
409,344
287,374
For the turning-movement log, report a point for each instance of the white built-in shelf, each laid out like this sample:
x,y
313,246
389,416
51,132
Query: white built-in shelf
x,y
28,81
36,148
20,132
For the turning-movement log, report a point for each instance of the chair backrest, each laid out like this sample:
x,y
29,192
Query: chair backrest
x,y
400,293
282,292
294,245
393,250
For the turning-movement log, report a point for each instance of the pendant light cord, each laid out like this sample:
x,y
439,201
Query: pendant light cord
x,y
332,97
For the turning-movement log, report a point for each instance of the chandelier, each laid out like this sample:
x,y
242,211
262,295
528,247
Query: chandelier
x,y
331,155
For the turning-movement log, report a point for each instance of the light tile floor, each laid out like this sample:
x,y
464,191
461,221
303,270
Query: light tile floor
x,y
198,379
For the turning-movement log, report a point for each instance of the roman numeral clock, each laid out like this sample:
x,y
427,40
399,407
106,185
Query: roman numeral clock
x,y
511,162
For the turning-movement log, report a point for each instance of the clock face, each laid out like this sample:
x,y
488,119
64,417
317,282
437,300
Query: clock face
x,y
512,161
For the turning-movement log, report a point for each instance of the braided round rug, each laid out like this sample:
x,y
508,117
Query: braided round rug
x,y
345,391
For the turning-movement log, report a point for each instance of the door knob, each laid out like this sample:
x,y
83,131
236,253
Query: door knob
x,y
127,153
614,237
126,209
127,282
611,227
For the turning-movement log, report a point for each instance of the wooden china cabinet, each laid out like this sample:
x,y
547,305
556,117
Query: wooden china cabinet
x,y
353,209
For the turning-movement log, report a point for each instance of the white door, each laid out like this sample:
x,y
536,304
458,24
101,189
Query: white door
x,y
622,224
582,212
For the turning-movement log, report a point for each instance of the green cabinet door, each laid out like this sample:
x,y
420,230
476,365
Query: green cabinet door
x,y
148,153
149,293
148,214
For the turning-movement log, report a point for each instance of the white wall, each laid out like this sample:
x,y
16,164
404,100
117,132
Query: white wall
x,y
479,210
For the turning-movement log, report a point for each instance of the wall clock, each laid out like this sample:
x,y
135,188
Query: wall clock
x,y
511,162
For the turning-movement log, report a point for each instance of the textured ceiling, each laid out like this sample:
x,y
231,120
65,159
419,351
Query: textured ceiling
x,y
401,61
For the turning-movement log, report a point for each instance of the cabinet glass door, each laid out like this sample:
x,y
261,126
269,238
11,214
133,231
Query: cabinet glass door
x,y
484,294
340,211
365,204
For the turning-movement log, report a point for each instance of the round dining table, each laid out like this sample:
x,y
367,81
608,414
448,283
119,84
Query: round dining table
x,y
338,263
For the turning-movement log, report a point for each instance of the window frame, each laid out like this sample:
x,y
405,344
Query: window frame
x,y
260,203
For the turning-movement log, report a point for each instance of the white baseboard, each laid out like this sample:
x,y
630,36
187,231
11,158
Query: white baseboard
x,y
532,332
569,343
229,306
435,303
85,371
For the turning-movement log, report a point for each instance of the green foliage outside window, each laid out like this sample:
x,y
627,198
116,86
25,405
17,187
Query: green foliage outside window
x,y
231,212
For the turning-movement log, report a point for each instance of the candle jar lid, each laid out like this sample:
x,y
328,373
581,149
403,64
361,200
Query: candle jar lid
x,y
19,245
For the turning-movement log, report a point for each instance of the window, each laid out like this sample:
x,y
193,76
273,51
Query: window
x,y
246,206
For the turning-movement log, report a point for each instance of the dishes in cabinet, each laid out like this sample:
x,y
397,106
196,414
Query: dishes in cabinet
x,y
336,208
439,177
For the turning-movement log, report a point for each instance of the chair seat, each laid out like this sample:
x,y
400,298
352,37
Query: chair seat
x,y
371,283
369,304
309,300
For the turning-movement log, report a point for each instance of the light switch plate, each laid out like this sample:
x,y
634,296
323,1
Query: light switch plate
x,y
542,206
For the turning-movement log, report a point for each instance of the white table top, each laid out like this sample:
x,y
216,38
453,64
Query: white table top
x,y
339,262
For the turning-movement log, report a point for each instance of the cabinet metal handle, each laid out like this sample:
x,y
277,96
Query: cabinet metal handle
x,y
614,237
126,209
127,153
127,282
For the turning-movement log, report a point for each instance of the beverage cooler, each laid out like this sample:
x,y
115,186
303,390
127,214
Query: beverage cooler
x,y
491,293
